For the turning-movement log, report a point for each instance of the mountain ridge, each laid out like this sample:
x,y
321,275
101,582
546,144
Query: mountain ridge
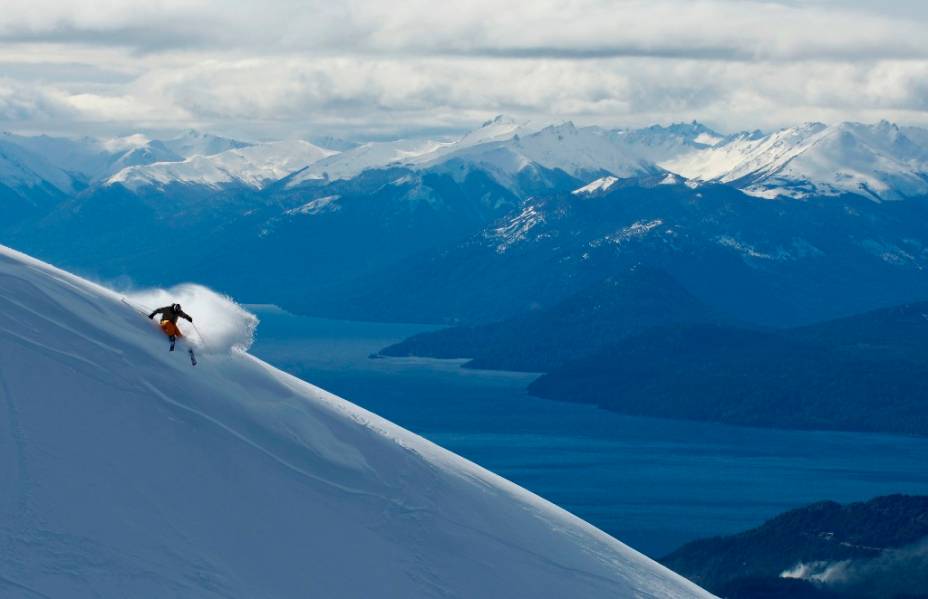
x,y
881,161
871,549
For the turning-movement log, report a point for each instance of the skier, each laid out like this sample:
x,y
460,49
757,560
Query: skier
x,y
169,316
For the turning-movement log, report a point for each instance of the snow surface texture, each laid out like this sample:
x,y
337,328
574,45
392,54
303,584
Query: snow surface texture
x,y
128,473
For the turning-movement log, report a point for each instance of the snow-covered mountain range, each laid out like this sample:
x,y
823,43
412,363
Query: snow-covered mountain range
x,y
23,168
129,473
88,159
252,166
881,161
878,161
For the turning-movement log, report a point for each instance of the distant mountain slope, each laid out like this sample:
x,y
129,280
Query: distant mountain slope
x,y
576,151
354,161
320,236
288,207
22,169
90,159
252,166
193,143
872,549
129,473
404,153
29,184
83,157
867,373
769,261
880,162
273,242
875,161
545,339
150,153
504,147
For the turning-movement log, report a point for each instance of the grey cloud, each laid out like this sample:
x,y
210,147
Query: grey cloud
x,y
370,68
64,73
571,30
139,38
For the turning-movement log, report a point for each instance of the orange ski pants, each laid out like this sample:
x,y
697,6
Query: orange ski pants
x,y
170,329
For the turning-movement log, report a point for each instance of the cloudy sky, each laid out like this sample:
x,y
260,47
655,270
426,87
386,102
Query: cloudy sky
x,y
369,68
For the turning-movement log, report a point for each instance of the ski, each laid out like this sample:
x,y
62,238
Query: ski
x,y
193,358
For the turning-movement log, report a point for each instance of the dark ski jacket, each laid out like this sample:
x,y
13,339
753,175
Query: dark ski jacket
x,y
170,313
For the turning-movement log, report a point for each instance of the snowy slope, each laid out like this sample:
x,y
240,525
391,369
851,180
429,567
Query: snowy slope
x,y
501,128
84,156
659,143
253,166
502,146
93,158
745,153
128,473
194,143
22,169
918,135
151,152
601,185
353,162
576,151
878,161
506,146
408,152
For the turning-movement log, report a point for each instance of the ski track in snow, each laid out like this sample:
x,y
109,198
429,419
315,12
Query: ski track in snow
x,y
138,475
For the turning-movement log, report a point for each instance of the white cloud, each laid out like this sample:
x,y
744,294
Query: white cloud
x,y
373,68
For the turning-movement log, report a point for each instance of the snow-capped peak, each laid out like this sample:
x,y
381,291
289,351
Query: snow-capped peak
x,y
501,128
658,143
253,166
601,185
577,151
745,154
353,162
671,179
881,161
192,142
877,161
504,147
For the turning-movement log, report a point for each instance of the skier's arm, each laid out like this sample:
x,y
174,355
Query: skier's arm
x,y
158,311
183,314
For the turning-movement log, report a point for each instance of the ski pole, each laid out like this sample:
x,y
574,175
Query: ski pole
x,y
134,307
199,334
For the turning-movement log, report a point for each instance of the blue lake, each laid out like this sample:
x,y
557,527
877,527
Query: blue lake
x,y
654,484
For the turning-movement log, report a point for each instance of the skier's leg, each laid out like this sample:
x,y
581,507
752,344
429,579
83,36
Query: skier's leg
x,y
173,339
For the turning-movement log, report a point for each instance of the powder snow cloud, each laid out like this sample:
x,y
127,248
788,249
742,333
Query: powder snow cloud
x,y
369,68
